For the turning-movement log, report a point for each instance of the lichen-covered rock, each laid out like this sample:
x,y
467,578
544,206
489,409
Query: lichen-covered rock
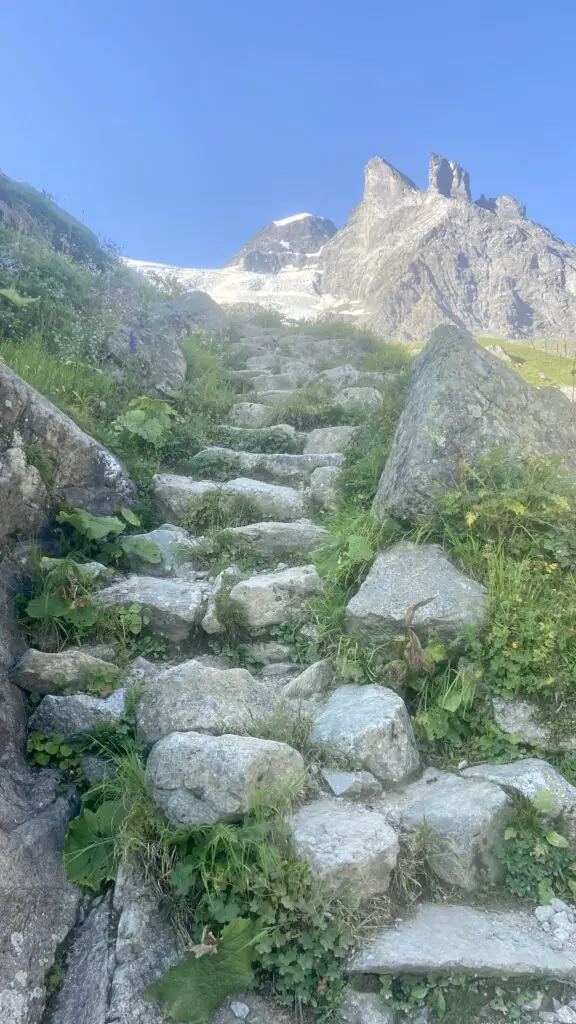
x,y
192,697
324,486
77,713
173,607
274,597
272,501
40,672
276,538
360,786
352,850
522,718
463,402
172,548
369,724
408,575
438,939
199,780
532,777
315,679
82,472
329,439
25,500
365,399
250,414
464,821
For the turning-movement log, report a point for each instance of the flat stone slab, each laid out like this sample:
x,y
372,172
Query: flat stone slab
x,y
328,439
276,468
172,547
41,672
404,576
272,501
440,939
173,607
275,538
69,716
176,496
366,399
274,597
250,414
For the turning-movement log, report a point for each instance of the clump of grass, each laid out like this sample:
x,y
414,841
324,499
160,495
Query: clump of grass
x,y
217,511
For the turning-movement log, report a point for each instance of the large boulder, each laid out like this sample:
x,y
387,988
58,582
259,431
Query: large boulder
x,y
462,403
274,597
439,939
464,822
40,672
172,607
199,780
192,697
371,726
82,472
77,713
409,575
352,850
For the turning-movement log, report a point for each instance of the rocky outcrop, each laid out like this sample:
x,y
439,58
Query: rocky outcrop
x,y
289,242
40,672
463,402
82,472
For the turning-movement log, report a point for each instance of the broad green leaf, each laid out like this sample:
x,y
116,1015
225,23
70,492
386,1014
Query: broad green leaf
x,y
555,839
545,891
510,833
194,989
89,844
359,550
130,516
93,527
544,801
48,606
141,547
451,700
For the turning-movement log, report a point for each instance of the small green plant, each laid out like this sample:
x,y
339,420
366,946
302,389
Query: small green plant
x,y
214,466
218,510
98,682
455,997
148,420
231,615
54,752
539,863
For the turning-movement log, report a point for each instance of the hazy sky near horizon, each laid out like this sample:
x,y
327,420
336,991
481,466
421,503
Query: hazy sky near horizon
x,y
178,129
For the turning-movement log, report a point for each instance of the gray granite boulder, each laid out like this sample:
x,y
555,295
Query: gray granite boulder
x,y
522,718
250,414
83,472
177,496
328,439
324,486
352,850
77,713
274,597
192,697
440,939
531,777
25,500
277,468
403,577
314,680
364,399
199,780
171,547
172,607
271,538
463,402
464,822
40,672
272,501
360,786
339,377
371,726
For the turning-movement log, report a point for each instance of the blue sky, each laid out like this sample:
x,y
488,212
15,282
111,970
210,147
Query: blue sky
x,y
177,128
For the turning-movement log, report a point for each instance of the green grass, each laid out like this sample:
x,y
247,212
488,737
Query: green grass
x,y
530,361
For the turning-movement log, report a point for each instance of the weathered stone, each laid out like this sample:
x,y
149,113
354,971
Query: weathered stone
x,y
353,785
25,500
254,1008
441,939
464,821
340,377
88,974
366,1008
83,473
464,402
315,679
173,607
277,468
370,725
40,672
402,578
275,397
147,944
272,501
521,718
197,779
276,538
531,777
324,486
177,496
329,439
365,399
77,713
175,550
271,652
274,597
250,414
210,622
352,850
195,698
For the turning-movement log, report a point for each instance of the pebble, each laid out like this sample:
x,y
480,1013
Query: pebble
x,y
240,1010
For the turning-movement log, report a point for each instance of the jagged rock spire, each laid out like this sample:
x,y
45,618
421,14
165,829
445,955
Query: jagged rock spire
x,y
448,178
383,183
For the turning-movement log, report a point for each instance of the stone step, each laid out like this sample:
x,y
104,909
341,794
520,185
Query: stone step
x,y
281,468
278,538
441,939
178,495
273,597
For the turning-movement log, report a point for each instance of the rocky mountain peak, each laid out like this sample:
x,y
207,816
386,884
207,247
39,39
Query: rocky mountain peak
x,y
448,178
289,242
384,184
